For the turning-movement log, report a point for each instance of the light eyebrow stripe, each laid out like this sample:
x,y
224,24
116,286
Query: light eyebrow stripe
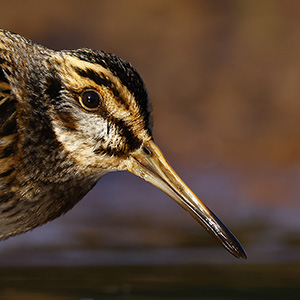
x,y
102,81
129,111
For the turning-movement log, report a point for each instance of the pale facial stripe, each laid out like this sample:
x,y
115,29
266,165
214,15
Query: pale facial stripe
x,y
125,106
121,109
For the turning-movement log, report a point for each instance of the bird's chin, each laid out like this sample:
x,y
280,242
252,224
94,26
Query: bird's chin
x,y
149,163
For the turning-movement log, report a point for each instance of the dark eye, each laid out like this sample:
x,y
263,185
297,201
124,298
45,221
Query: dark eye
x,y
90,100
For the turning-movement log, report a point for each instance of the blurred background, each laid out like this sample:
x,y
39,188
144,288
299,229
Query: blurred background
x,y
223,77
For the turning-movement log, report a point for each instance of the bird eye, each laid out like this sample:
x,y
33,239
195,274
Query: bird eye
x,y
90,100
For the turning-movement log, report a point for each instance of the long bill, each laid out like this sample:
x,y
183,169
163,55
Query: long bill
x,y
150,164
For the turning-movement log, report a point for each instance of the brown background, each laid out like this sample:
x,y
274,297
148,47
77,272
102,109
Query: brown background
x,y
223,77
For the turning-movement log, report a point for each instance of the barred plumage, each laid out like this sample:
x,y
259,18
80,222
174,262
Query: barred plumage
x,y
66,119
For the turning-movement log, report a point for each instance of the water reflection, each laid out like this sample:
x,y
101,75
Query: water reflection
x,y
149,282
124,220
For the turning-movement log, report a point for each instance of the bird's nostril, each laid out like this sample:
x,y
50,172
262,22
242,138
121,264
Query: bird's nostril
x,y
147,150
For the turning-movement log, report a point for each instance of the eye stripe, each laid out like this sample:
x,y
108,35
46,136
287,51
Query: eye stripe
x,y
108,151
126,73
89,73
132,141
102,81
124,129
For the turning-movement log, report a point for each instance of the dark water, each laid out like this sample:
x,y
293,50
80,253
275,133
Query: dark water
x,y
132,243
151,282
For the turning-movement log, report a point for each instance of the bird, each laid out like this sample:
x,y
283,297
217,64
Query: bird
x,y
69,117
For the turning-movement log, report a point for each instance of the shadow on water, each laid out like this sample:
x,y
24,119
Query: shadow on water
x,y
151,282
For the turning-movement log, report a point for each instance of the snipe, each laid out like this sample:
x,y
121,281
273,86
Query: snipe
x,y
66,119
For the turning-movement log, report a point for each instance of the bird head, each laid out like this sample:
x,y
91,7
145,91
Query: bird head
x,y
106,124
101,112
97,108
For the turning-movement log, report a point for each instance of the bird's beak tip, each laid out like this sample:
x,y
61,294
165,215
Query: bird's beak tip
x,y
149,163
